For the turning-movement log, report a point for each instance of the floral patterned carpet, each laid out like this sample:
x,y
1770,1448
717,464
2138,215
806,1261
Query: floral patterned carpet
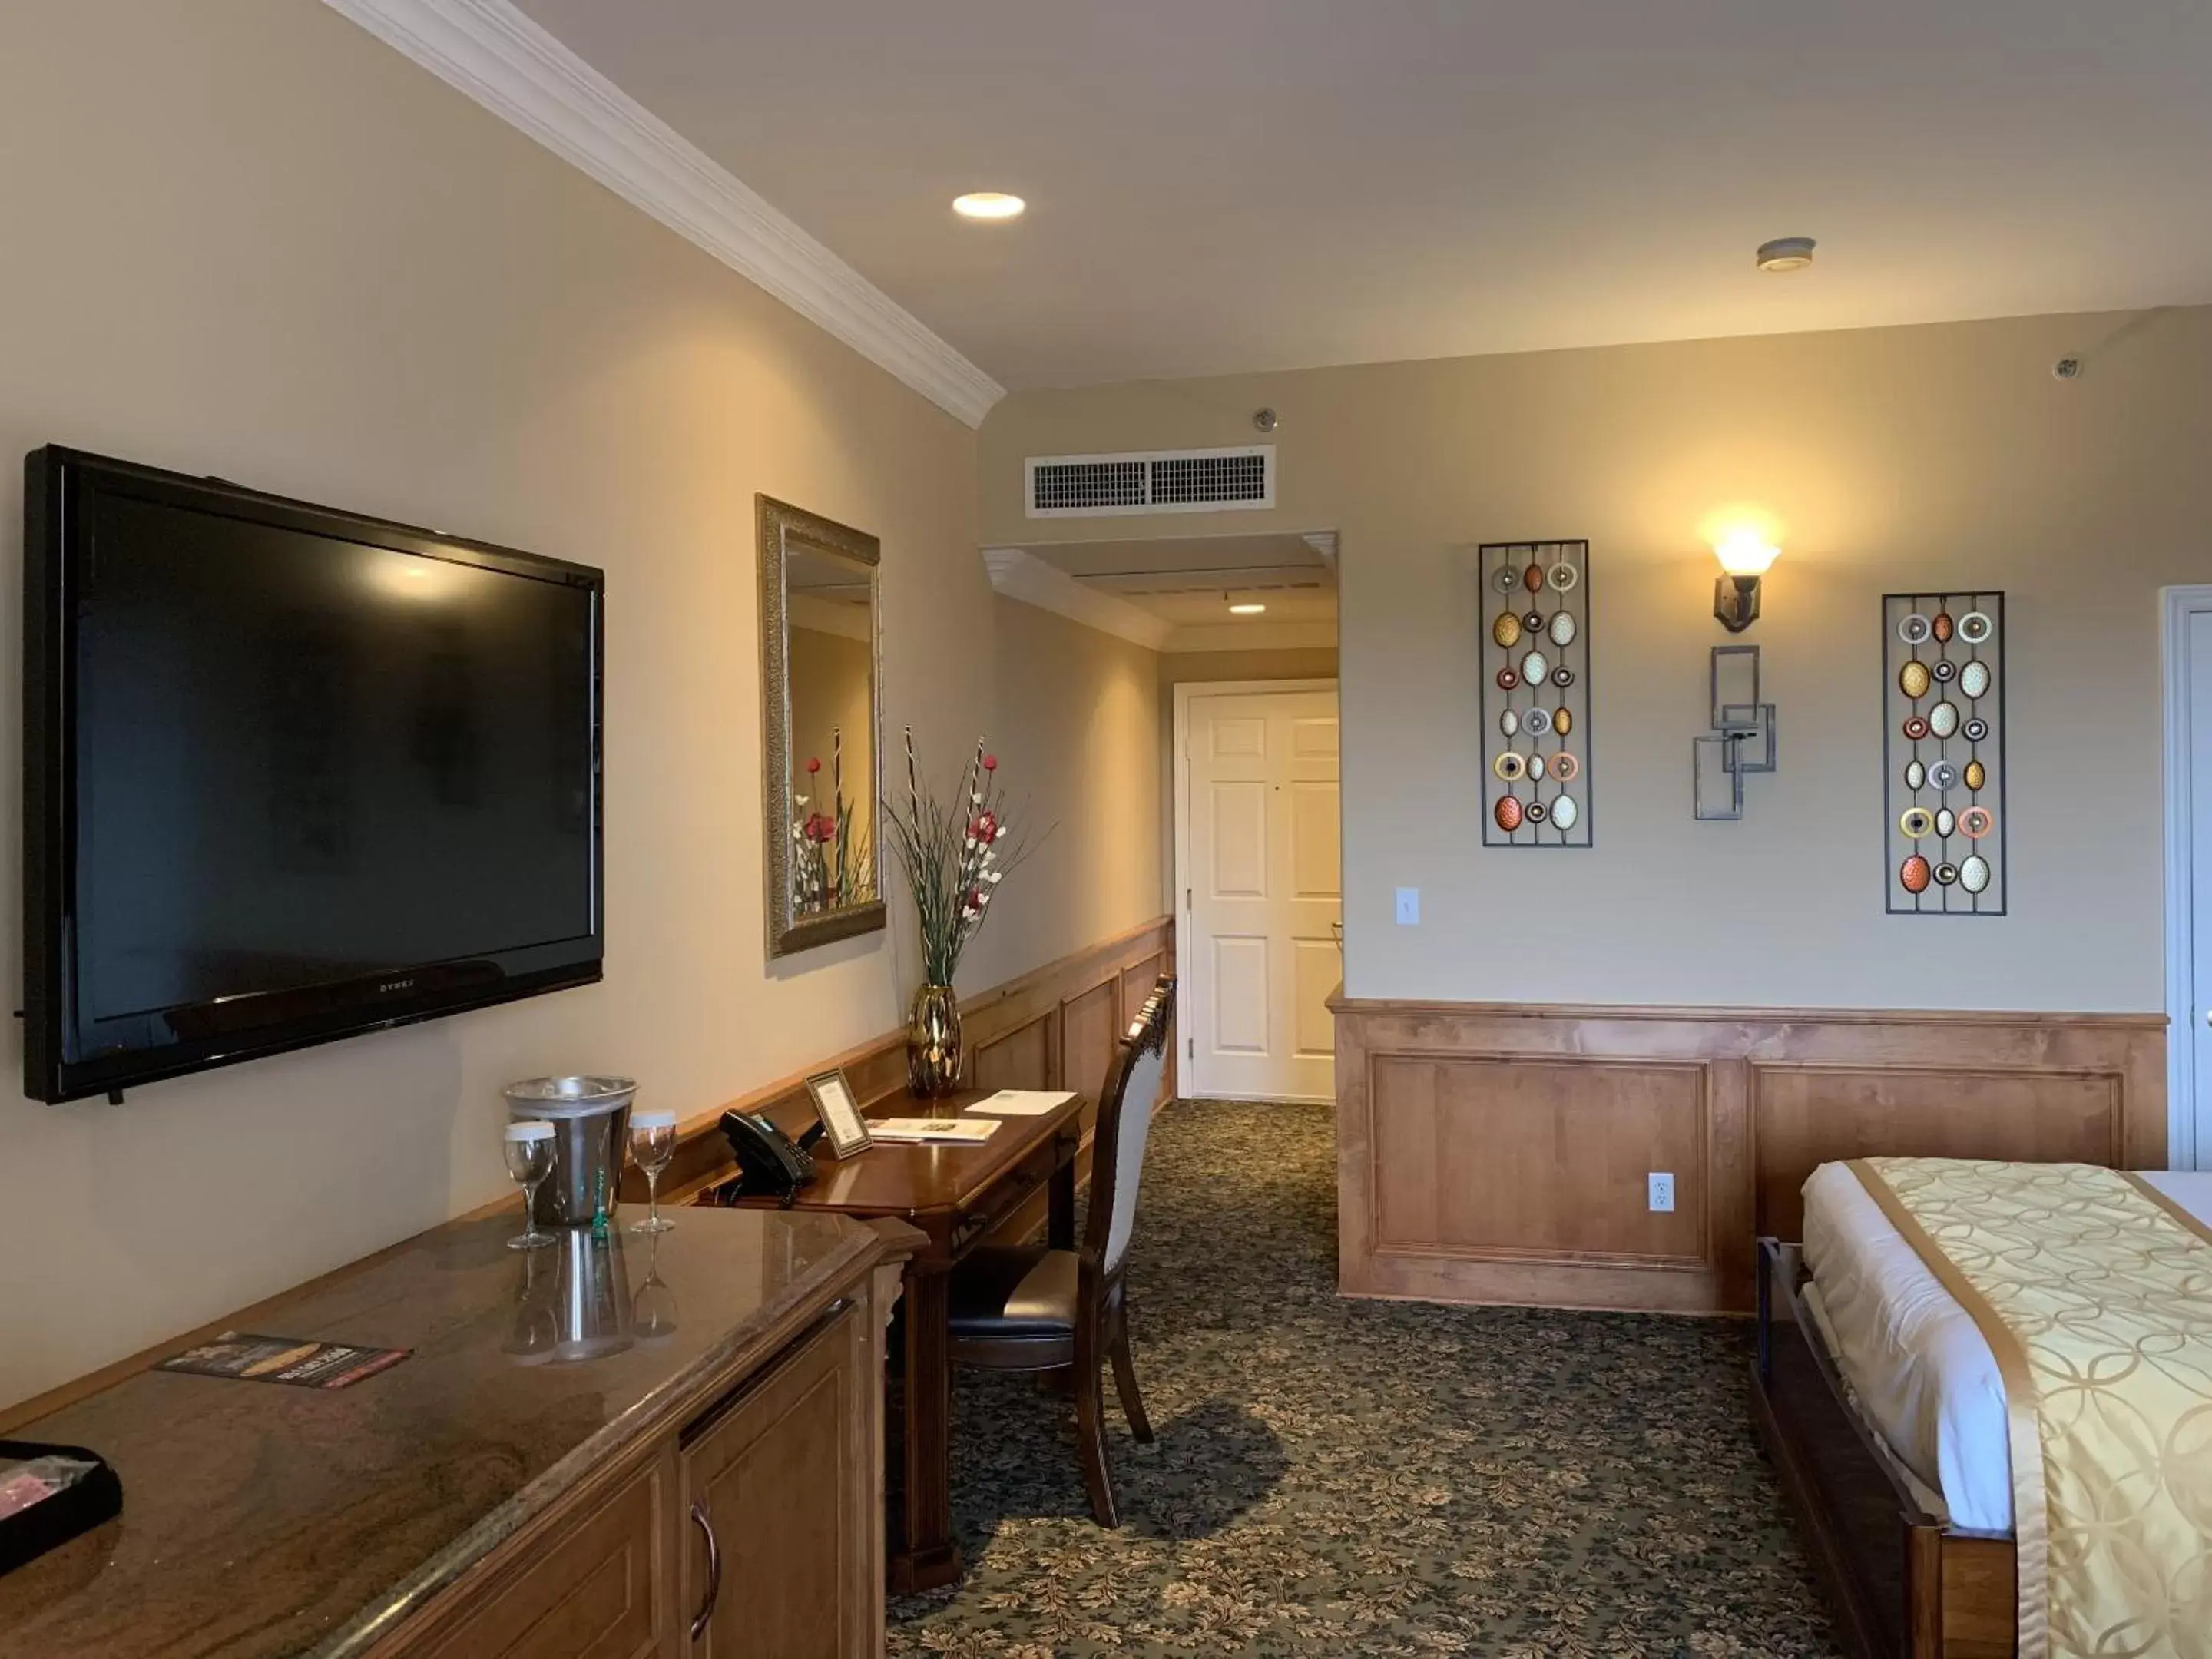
x,y
1350,1477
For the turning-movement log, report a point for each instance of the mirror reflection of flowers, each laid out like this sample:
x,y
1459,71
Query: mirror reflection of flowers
x,y
830,866
955,853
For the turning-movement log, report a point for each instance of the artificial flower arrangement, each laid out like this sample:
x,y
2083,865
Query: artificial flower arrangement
x,y
955,854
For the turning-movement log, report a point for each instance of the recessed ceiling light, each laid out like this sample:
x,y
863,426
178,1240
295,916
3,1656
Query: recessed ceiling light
x,y
1785,253
1248,608
989,205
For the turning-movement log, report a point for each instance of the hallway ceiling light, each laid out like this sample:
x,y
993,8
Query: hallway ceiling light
x,y
1785,253
1246,608
989,205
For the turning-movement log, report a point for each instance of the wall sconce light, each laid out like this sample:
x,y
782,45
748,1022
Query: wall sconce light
x,y
1745,556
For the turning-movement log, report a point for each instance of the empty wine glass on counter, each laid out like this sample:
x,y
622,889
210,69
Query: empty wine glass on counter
x,y
530,1160
652,1144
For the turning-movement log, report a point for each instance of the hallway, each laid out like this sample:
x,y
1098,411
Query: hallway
x,y
1338,1477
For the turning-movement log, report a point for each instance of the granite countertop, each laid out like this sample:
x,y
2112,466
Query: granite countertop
x,y
262,1519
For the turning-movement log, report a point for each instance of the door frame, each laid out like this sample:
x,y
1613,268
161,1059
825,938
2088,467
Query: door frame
x,y
2185,1148
1179,763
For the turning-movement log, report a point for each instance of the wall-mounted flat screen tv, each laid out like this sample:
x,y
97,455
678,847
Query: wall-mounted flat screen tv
x,y
290,774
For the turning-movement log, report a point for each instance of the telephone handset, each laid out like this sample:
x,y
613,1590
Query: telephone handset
x,y
769,1160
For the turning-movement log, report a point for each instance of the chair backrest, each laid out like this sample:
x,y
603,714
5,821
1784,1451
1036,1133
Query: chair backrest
x,y
1125,1120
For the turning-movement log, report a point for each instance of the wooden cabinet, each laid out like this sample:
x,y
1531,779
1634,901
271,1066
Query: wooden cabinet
x,y
778,1487
750,1528
601,1586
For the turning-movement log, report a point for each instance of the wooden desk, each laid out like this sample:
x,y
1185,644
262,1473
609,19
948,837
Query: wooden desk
x,y
955,1196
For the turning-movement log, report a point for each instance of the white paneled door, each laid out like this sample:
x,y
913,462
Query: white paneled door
x,y
1258,855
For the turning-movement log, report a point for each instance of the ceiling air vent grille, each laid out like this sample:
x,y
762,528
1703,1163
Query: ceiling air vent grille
x,y
1162,481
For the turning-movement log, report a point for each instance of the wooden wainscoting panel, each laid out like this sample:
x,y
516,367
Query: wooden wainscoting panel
x,y
1023,1058
1803,1116
1090,1026
1497,1153
1538,1159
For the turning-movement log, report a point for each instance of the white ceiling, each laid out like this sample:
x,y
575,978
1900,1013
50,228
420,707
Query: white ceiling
x,y
1218,186
1190,581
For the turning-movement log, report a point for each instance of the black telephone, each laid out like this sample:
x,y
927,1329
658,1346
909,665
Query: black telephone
x,y
769,1160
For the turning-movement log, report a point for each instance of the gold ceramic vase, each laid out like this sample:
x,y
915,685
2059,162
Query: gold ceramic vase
x,y
932,1042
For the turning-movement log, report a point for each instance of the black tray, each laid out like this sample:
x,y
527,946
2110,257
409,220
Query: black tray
x,y
75,1508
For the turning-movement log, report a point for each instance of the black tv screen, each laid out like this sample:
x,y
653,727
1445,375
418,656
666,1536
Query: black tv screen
x,y
290,774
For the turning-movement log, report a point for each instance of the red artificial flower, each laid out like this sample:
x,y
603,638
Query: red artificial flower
x,y
985,828
990,762
814,765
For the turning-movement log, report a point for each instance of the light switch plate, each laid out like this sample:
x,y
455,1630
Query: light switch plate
x,y
1409,907
1662,1190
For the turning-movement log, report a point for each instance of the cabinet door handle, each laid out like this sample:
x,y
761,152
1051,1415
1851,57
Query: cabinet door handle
x,y
713,1570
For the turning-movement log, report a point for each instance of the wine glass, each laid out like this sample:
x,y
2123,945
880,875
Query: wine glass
x,y
653,1304
652,1144
534,1330
530,1160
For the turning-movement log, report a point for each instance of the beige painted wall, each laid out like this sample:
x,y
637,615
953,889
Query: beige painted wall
x,y
248,240
1211,667
1902,457
1077,741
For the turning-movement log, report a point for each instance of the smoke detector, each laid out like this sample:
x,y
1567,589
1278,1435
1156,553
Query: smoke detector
x,y
1785,253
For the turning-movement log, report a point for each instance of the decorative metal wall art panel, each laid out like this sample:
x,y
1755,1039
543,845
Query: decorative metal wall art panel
x,y
1943,754
1742,739
1535,692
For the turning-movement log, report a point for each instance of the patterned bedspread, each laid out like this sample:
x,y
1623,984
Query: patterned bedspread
x,y
2095,1294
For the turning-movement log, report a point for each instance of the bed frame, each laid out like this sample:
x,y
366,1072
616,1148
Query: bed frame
x,y
1904,1585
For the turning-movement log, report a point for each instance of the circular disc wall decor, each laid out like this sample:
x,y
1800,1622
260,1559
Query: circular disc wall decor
x,y
1942,705
1535,684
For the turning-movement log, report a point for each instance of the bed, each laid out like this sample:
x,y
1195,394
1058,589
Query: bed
x,y
1885,1410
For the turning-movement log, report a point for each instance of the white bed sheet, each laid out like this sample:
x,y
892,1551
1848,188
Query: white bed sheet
x,y
1921,1368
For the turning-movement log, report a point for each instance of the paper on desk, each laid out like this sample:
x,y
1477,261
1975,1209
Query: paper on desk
x,y
1023,1103
959,1129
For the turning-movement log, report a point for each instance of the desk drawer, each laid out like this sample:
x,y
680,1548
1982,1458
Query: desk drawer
x,y
1014,1189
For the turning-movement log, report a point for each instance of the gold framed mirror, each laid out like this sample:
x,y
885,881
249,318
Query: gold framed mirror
x,y
821,726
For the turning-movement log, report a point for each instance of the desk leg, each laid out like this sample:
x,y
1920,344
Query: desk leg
x,y
1060,1215
926,1556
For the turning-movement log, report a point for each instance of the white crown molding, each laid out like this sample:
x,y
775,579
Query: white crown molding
x,y
497,56
1023,576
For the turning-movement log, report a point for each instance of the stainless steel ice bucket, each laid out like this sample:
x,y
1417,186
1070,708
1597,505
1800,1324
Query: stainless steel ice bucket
x,y
590,1117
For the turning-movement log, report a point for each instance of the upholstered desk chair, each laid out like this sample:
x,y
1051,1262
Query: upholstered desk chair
x,y
1038,1309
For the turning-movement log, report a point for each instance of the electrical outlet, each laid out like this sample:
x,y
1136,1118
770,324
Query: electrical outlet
x,y
1661,1192
1409,907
